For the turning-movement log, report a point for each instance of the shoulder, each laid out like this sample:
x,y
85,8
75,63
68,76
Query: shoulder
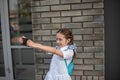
x,y
72,46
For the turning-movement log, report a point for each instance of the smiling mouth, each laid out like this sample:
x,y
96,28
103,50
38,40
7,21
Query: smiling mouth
x,y
59,45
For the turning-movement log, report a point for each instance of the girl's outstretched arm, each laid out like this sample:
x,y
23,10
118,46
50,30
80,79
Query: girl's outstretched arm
x,y
35,45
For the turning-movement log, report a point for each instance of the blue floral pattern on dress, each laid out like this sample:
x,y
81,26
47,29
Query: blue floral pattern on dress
x,y
72,47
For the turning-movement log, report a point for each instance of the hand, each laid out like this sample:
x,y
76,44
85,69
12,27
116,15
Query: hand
x,y
30,43
27,42
24,39
17,40
21,39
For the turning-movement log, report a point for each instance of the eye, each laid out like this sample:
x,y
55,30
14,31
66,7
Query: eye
x,y
59,39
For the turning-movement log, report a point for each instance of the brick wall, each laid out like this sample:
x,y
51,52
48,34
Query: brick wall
x,y
86,20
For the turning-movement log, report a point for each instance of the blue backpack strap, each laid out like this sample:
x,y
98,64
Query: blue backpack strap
x,y
66,62
70,66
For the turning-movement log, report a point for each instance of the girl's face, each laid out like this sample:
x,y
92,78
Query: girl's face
x,y
61,40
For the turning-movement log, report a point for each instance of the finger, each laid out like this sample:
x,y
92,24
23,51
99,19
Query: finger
x,y
23,37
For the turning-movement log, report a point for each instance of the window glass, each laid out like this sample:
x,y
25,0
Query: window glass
x,y
20,24
23,64
20,19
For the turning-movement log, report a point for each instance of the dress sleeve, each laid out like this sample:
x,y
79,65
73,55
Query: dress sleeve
x,y
67,54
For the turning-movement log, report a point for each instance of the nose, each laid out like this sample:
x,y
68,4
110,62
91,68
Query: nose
x,y
57,41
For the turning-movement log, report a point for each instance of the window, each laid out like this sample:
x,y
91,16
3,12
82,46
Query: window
x,y
21,24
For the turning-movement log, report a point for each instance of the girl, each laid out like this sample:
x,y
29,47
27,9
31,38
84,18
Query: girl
x,y
65,49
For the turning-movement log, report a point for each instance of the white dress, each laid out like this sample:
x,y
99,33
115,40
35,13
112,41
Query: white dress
x,y
58,69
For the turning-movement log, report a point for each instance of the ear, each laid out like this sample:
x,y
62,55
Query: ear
x,y
68,40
